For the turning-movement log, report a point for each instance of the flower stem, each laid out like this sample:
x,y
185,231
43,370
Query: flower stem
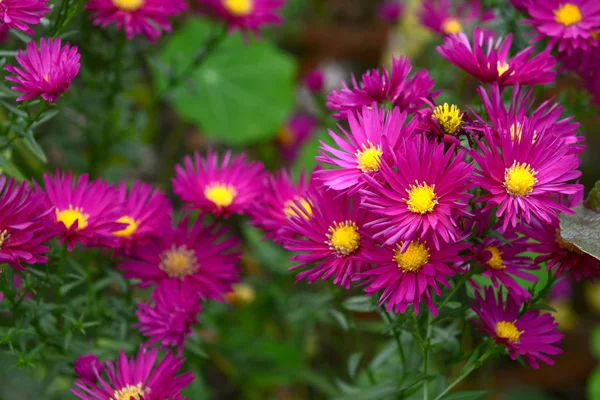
x,y
388,319
457,287
426,356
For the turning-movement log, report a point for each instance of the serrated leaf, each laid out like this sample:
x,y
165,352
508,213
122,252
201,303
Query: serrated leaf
x,y
353,364
582,229
466,395
359,304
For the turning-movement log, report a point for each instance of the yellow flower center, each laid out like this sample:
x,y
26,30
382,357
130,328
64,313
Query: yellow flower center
x,y
132,226
449,117
285,136
369,158
4,236
178,262
566,245
508,330
131,392
128,5
502,68
413,259
496,261
567,14
421,198
70,215
451,25
239,8
291,209
343,238
220,194
519,179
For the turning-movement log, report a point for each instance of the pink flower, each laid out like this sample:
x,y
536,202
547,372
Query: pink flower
x,y
449,16
45,72
245,15
88,367
19,14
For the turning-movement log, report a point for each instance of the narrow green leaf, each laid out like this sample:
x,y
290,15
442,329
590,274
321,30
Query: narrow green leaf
x,y
354,363
359,304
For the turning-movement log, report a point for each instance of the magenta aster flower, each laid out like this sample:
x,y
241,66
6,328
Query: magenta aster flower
x,y
445,121
296,131
19,14
562,289
558,253
390,11
136,17
373,138
421,193
229,188
203,255
331,234
518,119
245,15
487,59
88,367
408,94
533,335
568,24
23,226
137,378
146,212
314,80
444,17
278,204
45,72
524,177
519,5
169,317
84,211
408,276
503,262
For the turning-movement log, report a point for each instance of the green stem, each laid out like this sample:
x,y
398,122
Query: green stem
x,y
397,337
457,287
62,263
542,293
426,357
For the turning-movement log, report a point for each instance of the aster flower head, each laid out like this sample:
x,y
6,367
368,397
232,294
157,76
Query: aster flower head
x,y
396,87
138,377
19,14
228,187
533,336
374,136
559,254
503,263
445,121
88,367
293,134
169,316
136,17
518,120
487,59
84,212
332,236
420,194
569,25
278,204
146,211
390,11
444,17
46,71
406,274
23,226
245,15
524,175
314,80
203,255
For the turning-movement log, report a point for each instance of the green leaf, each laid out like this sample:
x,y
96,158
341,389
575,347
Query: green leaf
x,y
593,385
354,363
359,304
468,395
241,93
593,200
383,390
412,379
595,341
34,146
340,318
14,109
582,229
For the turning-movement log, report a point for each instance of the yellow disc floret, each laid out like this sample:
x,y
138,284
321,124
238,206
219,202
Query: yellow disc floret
x,y
519,179
178,262
221,194
451,25
502,68
239,8
567,14
130,229
508,330
70,215
369,158
449,117
496,261
421,198
343,238
131,392
128,5
414,257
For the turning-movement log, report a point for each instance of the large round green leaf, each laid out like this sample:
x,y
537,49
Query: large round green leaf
x,y
241,92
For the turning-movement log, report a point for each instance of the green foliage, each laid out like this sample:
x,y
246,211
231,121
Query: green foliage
x,y
582,229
